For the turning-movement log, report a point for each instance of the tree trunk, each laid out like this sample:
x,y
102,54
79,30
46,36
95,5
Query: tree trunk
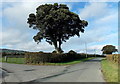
x,y
56,45
60,49
57,48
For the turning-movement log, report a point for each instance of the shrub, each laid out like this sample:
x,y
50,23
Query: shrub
x,y
54,51
41,52
114,58
72,52
38,57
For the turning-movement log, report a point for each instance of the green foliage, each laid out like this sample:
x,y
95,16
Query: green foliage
x,y
9,52
113,58
71,62
54,51
56,23
22,61
72,52
109,49
37,58
41,52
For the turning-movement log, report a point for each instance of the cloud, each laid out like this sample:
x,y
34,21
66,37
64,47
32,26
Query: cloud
x,y
60,1
93,10
111,18
13,37
91,49
19,36
32,46
18,13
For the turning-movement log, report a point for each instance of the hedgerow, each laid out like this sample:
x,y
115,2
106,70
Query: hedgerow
x,y
38,57
114,58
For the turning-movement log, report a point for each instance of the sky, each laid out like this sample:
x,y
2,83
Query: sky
x,y
102,26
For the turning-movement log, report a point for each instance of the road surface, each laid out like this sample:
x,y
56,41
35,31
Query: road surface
x,y
88,71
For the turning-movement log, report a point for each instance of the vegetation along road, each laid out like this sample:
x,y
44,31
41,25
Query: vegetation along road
x,y
88,71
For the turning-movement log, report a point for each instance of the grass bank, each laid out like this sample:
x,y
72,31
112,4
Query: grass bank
x,y
13,60
22,61
110,71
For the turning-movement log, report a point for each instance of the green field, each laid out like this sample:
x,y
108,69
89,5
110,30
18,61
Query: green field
x,y
22,61
13,60
110,71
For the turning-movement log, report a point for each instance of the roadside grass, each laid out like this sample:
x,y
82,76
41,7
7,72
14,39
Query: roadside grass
x,y
110,70
13,60
22,61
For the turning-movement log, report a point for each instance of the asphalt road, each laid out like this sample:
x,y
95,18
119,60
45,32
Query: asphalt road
x,y
89,71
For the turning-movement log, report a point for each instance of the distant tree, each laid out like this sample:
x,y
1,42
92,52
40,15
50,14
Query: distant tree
x,y
54,51
109,49
72,52
56,24
4,53
41,52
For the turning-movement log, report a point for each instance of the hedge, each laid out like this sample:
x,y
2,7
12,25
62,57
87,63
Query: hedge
x,y
35,57
38,57
14,56
114,58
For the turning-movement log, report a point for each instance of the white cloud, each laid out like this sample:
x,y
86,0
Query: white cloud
x,y
19,13
92,37
96,47
108,19
94,10
91,49
59,1
32,46
20,37
13,37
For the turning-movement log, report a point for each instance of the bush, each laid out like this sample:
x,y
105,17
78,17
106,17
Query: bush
x,y
54,51
72,52
114,58
38,57
41,52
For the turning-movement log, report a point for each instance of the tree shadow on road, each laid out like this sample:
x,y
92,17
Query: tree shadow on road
x,y
3,74
95,60
30,70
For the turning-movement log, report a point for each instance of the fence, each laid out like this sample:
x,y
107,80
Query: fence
x,y
14,59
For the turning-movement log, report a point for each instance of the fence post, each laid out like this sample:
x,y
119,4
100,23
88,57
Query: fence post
x,y
5,58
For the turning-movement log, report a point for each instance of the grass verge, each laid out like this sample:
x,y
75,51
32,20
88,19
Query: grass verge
x,y
13,60
110,71
22,61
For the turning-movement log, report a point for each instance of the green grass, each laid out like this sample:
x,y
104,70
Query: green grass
x,y
110,71
69,63
22,61
13,60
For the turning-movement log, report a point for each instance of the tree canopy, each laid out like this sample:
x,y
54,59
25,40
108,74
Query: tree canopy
x,y
56,24
109,49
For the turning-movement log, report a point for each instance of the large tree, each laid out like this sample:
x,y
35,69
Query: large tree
x,y
56,23
109,49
